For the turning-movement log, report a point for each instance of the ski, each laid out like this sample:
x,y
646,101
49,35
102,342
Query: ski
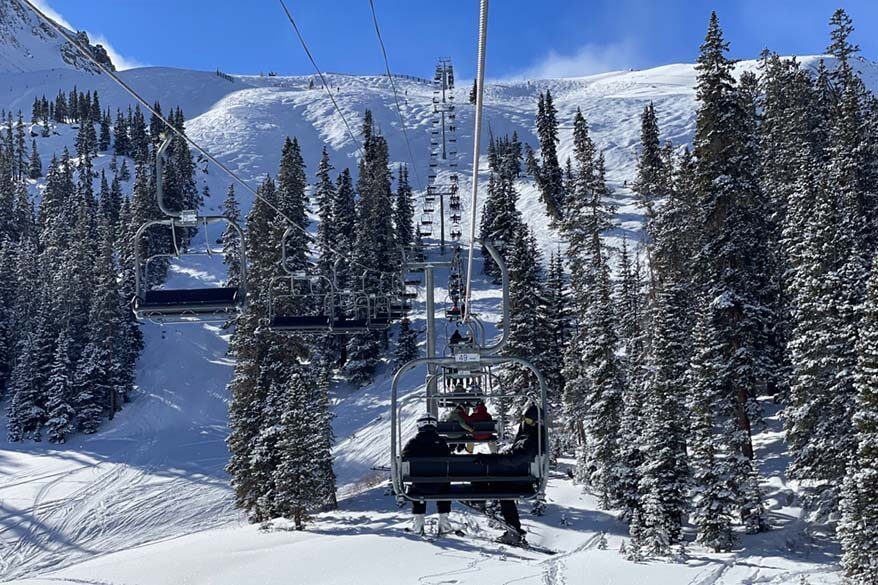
x,y
524,544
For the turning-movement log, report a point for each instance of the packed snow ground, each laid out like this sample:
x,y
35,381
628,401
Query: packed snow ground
x,y
146,500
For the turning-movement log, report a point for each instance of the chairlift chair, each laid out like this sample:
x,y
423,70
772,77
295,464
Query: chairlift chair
x,y
471,477
180,305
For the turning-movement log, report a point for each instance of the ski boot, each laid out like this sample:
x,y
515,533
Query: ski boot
x,y
444,525
512,537
418,524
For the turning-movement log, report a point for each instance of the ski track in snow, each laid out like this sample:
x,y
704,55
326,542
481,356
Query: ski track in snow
x,y
146,500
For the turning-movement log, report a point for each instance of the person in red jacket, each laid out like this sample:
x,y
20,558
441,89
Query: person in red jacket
x,y
480,414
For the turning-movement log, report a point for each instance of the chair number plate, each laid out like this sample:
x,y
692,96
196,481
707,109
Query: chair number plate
x,y
189,218
466,357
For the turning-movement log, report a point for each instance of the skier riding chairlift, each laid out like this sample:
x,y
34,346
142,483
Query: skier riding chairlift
x,y
460,415
428,443
525,446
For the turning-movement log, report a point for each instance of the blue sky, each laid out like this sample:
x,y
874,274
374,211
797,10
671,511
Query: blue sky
x,y
549,38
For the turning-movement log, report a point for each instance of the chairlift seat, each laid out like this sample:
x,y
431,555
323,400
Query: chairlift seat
x,y
378,323
474,492
350,325
300,323
194,301
481,468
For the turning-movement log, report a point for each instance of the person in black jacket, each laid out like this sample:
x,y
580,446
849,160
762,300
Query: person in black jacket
x,y
428,443
527,444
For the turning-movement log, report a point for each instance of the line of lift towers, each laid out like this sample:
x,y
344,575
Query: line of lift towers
x,y
312,303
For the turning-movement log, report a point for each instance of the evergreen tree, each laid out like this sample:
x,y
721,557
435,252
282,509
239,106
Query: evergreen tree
x,y
59,389
124,173
555,316
663,472
231,240
26,412
121,144
527,335
713,496
344,219
292,202
104,137
550,178
858,529
375,245
826,235
731,272
35,168
297,474
21,154
406,343
404,210
324,195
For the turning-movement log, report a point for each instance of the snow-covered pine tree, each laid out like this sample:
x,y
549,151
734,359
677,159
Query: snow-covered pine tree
x,y
121,145
404,210
293,203
325,496
649,184
501,221
713,498
555,316
375,244
581,220
630,316
26,411
858,528
104,137
527,333
324,197
59,392
297,475
267,366
550,178
21,154
248,387
731,268
230,240
601,376
406,343
663,471
9,336
828,268
344,220
35,167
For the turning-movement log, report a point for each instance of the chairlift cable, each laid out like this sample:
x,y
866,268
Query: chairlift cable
x,y
405,133
322,78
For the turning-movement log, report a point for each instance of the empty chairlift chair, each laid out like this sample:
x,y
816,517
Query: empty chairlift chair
x,y
176,305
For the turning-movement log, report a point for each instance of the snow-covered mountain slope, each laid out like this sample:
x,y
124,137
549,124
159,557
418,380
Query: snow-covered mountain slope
x,y
27,43
156,472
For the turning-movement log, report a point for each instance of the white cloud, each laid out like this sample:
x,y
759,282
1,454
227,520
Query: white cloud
x,y
120,61
587,60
